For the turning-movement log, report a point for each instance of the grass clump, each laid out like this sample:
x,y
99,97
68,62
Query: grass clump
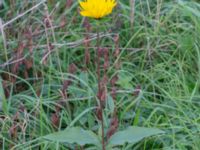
x,y
149,65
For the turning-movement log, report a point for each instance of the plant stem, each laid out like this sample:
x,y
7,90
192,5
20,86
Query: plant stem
x,y
98,59
102,129
99,86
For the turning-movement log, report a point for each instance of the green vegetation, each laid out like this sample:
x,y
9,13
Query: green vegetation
x,y
149,64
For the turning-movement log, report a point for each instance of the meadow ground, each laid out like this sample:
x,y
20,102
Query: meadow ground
x,y
147,74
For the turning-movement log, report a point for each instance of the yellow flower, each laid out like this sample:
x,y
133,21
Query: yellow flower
x,y
97,8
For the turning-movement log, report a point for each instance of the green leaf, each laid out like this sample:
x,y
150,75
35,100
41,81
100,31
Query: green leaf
x,y
132,135
75,135
125,80
111,104
84,76
3,101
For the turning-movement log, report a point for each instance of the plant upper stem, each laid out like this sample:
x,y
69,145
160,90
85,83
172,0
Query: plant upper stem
x,y
100,103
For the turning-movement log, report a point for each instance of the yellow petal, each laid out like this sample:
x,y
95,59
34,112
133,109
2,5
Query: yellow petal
x,y
96,8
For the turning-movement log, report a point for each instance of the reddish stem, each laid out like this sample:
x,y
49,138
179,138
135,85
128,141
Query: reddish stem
x,y
99,88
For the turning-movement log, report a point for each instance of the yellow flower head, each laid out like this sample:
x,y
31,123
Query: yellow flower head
x,y
96,8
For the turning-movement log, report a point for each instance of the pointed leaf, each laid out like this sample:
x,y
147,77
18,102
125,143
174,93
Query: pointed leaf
x,y
74,135
3,102
125,80
133,135
111,104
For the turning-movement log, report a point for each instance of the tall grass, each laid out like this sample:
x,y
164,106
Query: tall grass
x,y
159,57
